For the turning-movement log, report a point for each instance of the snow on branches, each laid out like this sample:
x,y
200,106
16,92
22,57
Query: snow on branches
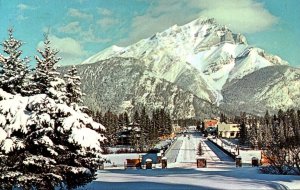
x,y
45,140
50,137
73,89
46,78
13,69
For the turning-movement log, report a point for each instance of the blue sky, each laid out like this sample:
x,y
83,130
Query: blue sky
x,y
81,28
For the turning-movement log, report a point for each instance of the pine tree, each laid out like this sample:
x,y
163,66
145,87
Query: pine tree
x,y
126,119
121,120
110,131
265,130
73,90
148,139
98,116
46,77
155,125
199,149
145,128
13,68
168,123
223,118
295,148
253,132
47,146
99,119
43,142
243,129
161,123
274,150
135,131
136,117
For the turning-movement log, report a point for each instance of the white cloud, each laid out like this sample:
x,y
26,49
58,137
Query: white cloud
x,y
159,17
70,50
21,17
71,28
23,7
79,14
83,35
103,11
107,19
245,16
82,1
107,22
89,36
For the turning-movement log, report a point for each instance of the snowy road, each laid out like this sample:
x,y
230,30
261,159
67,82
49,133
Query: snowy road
x,y
188,150
184,151
220,173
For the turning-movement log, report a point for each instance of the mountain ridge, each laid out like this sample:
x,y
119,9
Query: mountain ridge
x,y
201,57
141,89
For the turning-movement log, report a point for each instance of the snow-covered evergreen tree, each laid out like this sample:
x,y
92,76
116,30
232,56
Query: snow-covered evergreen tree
x,y
13,68
46,77
145,127
111,123
200,149
243,137
73,90
44,144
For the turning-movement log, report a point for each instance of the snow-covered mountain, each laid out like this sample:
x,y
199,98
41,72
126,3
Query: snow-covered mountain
x,y
270,88
125,84
201,58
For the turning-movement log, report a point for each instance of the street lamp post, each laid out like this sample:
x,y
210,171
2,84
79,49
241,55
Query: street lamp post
x,y
238,149
140,158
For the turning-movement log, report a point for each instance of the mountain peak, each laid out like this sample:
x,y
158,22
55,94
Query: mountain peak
x,y
201,52
199,63
103,54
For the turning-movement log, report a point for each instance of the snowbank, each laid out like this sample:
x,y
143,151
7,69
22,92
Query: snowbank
x,y
192,179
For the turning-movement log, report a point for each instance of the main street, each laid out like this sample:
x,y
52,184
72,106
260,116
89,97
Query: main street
x,y
184,151
182,173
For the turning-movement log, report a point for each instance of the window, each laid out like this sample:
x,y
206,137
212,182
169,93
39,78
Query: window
x,y
232,134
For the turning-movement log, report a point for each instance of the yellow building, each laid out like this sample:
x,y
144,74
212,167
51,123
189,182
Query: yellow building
x,y
228,130
176,128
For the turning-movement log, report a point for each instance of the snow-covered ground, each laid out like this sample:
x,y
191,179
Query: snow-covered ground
x,y
220,173
231,147
191,178
119,159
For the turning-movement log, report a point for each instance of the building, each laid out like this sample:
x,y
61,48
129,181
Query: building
x,y
125,136
228,130
176,128
210,123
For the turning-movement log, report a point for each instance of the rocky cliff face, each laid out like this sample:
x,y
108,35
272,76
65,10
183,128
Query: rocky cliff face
x,y
270,88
